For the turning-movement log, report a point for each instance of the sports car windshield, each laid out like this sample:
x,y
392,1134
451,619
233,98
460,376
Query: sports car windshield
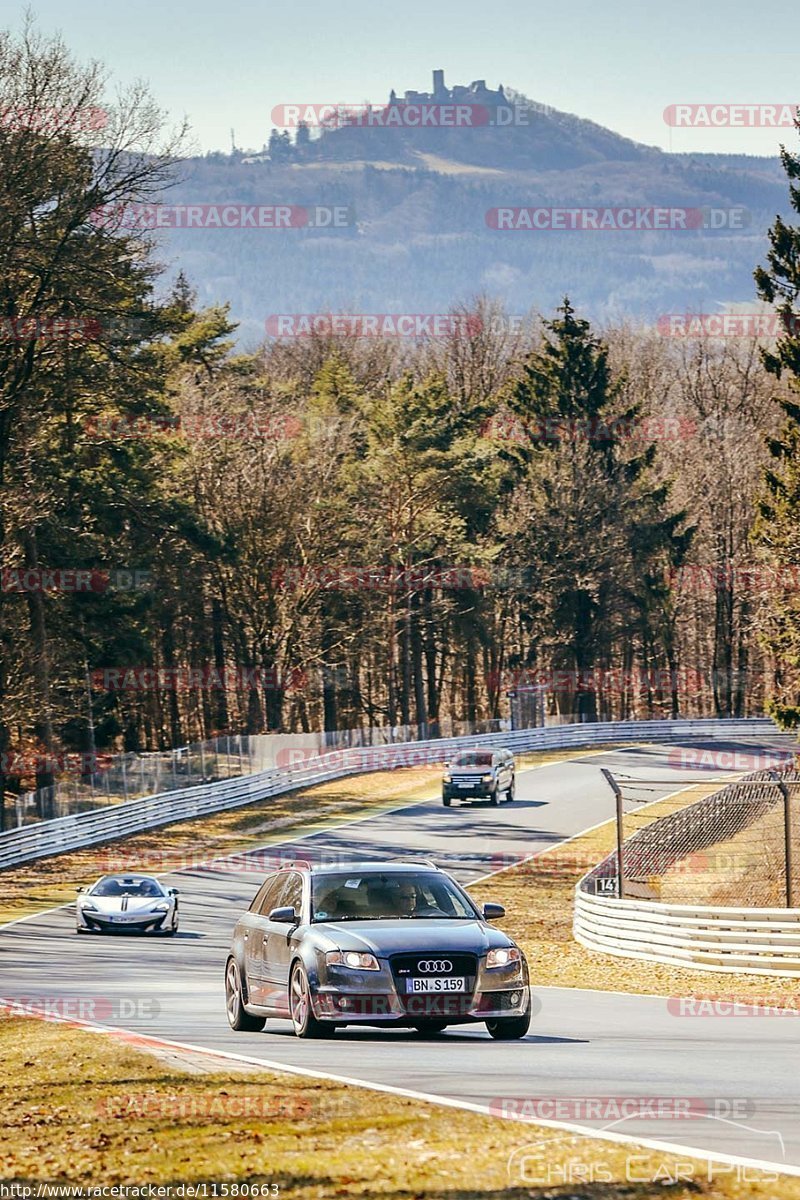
x,y
395,895
127,887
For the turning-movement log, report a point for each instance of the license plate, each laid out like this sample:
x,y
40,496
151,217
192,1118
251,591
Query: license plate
x,y
451,984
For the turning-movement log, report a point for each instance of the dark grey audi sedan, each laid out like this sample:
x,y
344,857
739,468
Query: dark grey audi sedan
x,y
391,944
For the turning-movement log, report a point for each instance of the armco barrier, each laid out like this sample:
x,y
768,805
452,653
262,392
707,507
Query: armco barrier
x,y
740,940
134,816
748,941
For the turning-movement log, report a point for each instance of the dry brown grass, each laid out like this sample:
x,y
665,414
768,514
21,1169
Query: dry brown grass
x,y
81,1107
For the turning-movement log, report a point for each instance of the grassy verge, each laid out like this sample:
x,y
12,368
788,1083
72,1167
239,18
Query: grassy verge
x,y
80,1107
538,897
46,883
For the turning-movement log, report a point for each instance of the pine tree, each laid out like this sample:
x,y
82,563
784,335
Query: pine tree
x,y
777,527
593,524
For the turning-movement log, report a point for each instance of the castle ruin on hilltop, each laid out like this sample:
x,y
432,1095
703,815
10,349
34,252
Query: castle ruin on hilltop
x,y
476,93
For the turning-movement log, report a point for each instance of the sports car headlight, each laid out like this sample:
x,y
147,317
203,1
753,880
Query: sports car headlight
x,y
352,958
88,904
503,956
160,908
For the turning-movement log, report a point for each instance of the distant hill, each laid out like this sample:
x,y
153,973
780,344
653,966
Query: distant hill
x,y
419,240
536,138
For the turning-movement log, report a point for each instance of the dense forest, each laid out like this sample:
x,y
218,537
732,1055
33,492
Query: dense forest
x,y
339,530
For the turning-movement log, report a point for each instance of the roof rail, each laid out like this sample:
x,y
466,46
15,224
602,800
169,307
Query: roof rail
x,y
295,864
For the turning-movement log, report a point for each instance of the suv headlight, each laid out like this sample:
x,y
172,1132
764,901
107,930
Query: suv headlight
x,y
352,958
487,778
503,956
447,777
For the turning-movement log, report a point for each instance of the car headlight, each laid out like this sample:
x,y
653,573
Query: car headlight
x,y
447,777
88,904
503,956
486,779
160,908
352,958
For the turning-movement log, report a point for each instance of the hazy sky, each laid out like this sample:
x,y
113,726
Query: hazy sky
x,y
227,64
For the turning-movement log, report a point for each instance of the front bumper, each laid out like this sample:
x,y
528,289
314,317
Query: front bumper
x,y
458,791
95,922
377,997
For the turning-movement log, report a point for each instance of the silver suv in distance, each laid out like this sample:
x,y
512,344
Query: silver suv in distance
x,y
479,775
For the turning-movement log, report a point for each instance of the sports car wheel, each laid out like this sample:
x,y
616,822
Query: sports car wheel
x,y
238,1018
430,1027
509,1029
305,1023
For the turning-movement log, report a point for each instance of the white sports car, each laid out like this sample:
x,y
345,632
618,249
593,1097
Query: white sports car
x,y
136,902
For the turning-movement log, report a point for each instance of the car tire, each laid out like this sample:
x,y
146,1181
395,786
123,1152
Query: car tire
x,y
238,1018
511,793
510,1029
446,801
429,1028
305,1023
494,799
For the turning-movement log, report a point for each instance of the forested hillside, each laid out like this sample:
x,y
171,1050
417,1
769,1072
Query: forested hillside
x,y
339,530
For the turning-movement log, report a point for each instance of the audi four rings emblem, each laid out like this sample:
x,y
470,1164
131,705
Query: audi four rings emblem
x,y
434,966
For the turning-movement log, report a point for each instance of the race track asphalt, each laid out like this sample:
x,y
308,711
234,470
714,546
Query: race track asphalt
x,y
740,1072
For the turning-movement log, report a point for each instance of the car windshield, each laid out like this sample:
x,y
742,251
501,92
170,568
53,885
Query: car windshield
x,y
374,896
127,887
472,760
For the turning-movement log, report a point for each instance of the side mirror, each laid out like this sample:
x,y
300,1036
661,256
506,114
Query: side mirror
x,y
493,912
173,892
80,889
284,916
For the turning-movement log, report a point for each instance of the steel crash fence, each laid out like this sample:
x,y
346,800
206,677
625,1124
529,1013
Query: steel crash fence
x,y
80,830
618,911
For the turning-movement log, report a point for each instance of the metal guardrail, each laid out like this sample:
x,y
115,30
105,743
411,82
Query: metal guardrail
x,y
135,816
748,941
731,939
